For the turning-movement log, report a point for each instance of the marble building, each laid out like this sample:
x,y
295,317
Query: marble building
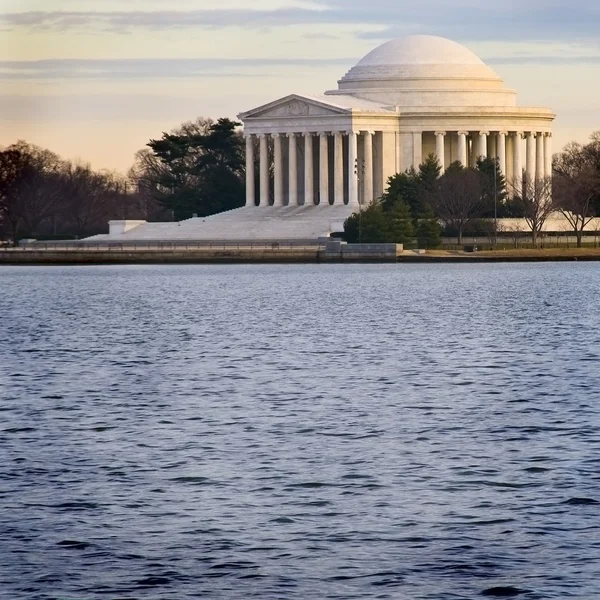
x,y
404,100
334,152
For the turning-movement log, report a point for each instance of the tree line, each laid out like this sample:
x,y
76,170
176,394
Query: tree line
x,y
468,200
44,196
196,169
199,169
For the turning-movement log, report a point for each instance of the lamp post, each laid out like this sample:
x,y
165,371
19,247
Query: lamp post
x,y
359,171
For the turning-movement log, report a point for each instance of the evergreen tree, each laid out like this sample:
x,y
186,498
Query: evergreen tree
x,y
201,172
399,226
429,171
411,186
220,168
352,226
403,187
429,230
374,225
368,226
492,182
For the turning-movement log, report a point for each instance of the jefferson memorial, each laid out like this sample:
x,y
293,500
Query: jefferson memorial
x,y
332,153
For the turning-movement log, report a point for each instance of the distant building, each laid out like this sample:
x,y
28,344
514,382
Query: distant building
x,y
404,100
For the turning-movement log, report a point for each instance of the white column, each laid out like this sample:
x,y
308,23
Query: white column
x,y
368,175
440,149
510,158
501,151
399,158
323,170
264,171
530,156
417,149
278,171
548,155
352,174
462,148
308,170
474,147
292,171
249,171
518,161
482,143
539,159
338,177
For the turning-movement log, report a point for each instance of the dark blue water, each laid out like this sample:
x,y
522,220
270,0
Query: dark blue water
x,y
303,432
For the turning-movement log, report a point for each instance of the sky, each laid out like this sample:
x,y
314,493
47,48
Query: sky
x,y
95,80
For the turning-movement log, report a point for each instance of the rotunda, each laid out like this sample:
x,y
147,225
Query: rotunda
x,y
406,99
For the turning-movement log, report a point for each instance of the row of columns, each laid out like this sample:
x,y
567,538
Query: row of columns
x,y
366,170
538,154
536,162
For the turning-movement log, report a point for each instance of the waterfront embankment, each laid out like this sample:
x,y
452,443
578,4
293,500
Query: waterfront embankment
x,y
309,254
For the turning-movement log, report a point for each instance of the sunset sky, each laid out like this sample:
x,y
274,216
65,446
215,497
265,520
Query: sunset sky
x,y
95,80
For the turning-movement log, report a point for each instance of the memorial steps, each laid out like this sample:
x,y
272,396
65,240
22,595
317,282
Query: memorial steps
x,y
242,224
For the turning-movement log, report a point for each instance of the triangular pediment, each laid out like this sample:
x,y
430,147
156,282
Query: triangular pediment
x,y
295,106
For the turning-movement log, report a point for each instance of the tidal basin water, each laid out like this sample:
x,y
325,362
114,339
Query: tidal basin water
x,y
303,432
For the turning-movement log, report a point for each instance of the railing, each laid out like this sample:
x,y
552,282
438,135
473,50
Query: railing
x,y
165,246
522,243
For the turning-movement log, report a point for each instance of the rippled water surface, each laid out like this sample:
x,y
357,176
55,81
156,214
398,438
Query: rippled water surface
x,y
302,432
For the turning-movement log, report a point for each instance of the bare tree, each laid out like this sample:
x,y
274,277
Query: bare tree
x,y
533,197
143,197
147,176
92,198
38,194
596,230
199,126
13,167
457,198
577,183
514,231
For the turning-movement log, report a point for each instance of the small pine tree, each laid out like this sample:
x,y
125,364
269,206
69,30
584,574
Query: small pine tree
x,y
429,230
429,170
399,224
368,226
492,182
374,225
351,228
402,187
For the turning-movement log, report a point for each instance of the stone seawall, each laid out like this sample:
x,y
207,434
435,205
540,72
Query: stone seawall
x,y
91,257
264,254
371,253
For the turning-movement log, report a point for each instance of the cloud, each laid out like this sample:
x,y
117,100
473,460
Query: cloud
x,y
462,19
96,107
198,68
127,69
543,60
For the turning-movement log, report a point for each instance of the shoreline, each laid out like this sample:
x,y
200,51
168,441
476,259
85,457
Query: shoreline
x,y
284,256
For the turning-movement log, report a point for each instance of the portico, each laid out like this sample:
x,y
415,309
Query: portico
x,y
348,167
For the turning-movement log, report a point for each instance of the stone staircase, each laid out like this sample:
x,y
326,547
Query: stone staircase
x,y
241,224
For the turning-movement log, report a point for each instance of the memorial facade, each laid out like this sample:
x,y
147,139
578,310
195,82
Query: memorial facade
x,y
406,99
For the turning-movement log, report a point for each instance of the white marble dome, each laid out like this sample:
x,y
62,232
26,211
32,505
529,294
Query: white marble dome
x,y
425,70
420,50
